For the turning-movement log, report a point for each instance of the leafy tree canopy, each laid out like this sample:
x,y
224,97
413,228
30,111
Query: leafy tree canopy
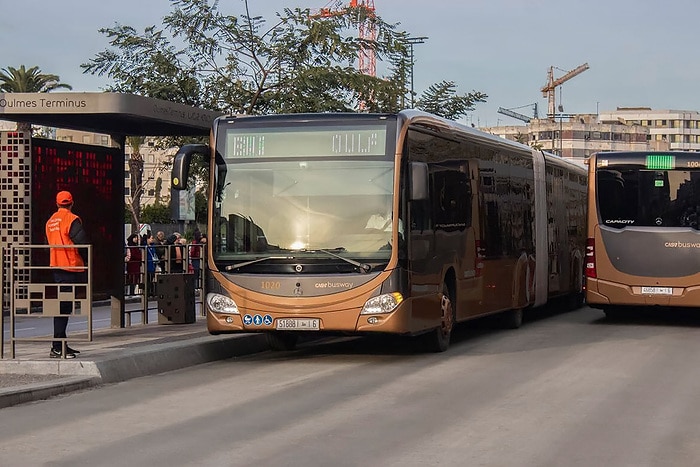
x,y
29,80
154,214
242,64
442,99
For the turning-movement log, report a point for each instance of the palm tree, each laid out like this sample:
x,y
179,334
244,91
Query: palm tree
x,y
29,80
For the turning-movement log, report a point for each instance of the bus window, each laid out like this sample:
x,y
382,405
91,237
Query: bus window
x,y
646,198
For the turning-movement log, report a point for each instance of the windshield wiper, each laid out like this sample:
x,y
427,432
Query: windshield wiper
x,y
364,267
231,267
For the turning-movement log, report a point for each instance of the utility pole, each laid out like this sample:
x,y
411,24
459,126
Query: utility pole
x,y
411,41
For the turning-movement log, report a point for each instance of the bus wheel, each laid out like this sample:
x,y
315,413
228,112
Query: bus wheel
x,y
282,340
512,319
438,340
576,301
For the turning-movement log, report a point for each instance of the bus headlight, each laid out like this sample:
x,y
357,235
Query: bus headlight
x,y
385,303
221,304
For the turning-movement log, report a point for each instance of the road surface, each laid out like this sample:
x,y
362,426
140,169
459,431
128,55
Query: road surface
x,y
567,389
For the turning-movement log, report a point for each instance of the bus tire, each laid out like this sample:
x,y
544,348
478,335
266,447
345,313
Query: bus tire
x,y
280,341
438,340
512,319
576,300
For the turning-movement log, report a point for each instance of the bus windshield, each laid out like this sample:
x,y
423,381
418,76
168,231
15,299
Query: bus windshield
x,y
629,196
330,191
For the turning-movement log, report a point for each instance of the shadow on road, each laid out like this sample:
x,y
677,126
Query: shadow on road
x,y
652,316
467,337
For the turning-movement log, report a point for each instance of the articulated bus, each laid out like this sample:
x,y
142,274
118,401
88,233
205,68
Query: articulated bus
x,y
643,242
381,223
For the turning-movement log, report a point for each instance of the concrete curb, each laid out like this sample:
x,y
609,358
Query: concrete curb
x,y
176,355
146,360
39,391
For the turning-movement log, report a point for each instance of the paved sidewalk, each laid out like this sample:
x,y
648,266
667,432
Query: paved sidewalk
x,y
115,355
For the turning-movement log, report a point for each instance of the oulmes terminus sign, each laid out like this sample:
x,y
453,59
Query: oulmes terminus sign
x,y
107,113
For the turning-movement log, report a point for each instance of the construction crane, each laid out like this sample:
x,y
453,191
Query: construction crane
x,y
367,58
549,88
517,115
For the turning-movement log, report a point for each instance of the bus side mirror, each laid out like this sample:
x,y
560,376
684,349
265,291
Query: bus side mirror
x,y
181,164
419,180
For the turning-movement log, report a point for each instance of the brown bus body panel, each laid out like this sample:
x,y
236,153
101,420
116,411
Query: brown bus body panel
x,y
500,235
629,258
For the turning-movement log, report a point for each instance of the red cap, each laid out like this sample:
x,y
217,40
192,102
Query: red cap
x,y
64,198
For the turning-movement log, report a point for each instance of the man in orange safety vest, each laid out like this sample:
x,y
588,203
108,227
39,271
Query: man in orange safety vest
x,y
65,228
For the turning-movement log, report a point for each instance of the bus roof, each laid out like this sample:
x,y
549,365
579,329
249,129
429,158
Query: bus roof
x,y
412,117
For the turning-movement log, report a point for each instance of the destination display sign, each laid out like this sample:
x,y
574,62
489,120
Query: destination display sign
x,y
247,143
672,160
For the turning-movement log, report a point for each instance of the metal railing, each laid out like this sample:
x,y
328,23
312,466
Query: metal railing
x,y
140,282
32,298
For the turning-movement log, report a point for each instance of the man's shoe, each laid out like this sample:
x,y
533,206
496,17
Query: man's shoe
x,y
57,354
73,351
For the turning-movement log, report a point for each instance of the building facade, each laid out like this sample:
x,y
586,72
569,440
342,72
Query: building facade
x,y
576,137
625,129
675,130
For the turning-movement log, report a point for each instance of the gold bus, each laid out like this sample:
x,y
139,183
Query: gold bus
x,y
381,223
643,239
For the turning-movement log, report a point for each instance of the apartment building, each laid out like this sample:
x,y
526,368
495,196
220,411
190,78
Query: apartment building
x,y
625,129
576,136
676,130
9,126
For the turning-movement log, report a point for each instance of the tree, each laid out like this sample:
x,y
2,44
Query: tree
x,y
156,214
159,187
239,64
442,99
136,179
200,207
28,80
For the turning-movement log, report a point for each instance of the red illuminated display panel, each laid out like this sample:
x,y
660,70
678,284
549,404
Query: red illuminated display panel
x,y
95,177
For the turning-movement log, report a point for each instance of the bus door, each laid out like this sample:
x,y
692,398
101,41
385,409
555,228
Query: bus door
x,y
494,174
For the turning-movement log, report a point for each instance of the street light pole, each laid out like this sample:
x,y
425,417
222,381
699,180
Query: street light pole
x,y
411,41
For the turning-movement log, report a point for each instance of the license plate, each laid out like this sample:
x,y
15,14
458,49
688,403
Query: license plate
x,y
657,290
299,324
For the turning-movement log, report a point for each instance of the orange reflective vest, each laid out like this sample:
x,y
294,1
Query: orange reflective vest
x,y
58,233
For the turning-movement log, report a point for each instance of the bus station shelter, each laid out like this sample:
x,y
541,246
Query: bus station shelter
x,y
33,170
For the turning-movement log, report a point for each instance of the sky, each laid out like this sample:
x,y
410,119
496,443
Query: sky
x,y
641,53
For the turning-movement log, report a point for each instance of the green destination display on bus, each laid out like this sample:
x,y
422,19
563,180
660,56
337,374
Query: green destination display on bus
x,y
313,142
661,162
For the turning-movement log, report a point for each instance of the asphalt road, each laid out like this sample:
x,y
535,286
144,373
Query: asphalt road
x,y
569,389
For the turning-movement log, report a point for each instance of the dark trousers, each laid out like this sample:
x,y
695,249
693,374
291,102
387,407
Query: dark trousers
x,y
66,307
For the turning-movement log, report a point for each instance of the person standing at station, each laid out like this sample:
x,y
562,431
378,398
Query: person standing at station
x,y
65,228
161,251
134,263
176,252
196,257
151,264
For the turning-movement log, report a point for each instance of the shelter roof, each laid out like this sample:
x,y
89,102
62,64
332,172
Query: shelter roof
x,y
107,113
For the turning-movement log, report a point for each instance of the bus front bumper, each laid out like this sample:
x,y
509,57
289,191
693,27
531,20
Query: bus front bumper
x,y
409,317
600,293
